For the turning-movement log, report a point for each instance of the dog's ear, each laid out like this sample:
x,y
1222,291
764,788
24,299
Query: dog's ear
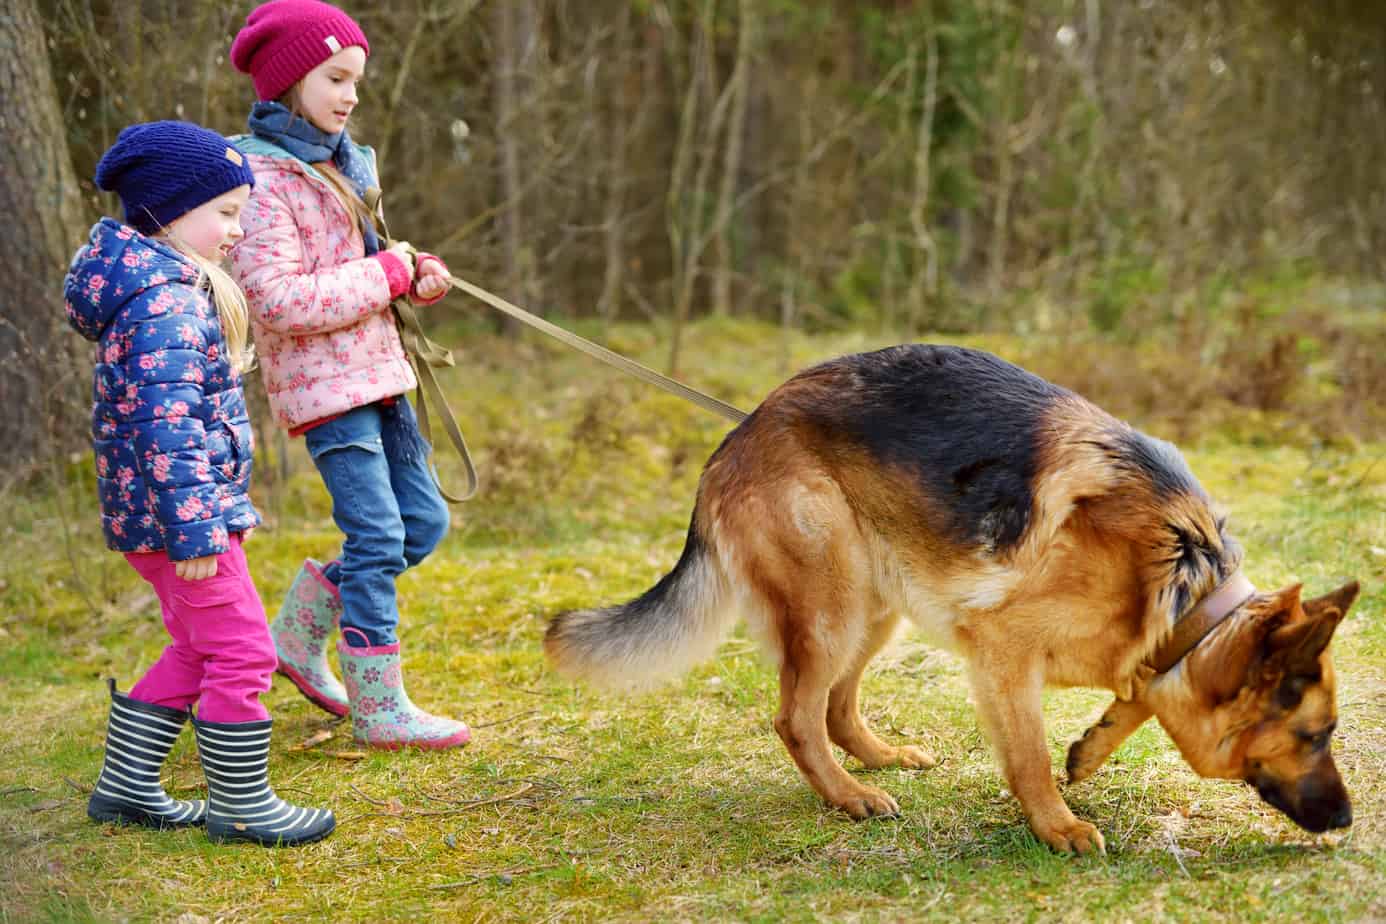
x,y
1226,670
1297,644
1339,600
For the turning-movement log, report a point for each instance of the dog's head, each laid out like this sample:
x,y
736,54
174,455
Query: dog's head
x,y
1255,702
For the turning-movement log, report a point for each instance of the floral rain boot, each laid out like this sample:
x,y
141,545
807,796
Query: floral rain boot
x,y
306,619
381,713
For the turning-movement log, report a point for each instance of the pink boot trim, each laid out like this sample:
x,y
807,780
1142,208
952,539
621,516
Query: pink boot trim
x,y
364,651
423,744
317,574
310,692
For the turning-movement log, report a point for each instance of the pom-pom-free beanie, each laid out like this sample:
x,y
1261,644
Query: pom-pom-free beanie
x,y
163,170
285,39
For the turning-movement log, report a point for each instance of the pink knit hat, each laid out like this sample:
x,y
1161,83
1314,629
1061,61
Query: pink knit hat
x,y
285,39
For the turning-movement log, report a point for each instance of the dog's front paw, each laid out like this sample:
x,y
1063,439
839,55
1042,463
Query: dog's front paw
x,y
868,802
1073,836
914,758
1082,761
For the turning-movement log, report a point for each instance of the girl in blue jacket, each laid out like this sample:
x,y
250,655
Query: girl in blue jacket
x,y
173,454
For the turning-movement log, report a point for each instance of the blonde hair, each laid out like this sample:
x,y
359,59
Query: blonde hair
x,y
349,200
229,301
353,203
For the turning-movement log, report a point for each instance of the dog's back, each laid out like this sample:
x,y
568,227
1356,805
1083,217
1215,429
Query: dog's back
x,y
930,481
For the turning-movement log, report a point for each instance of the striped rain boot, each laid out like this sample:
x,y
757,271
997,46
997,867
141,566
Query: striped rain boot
x,y
381,712
306,620
139,737
240,804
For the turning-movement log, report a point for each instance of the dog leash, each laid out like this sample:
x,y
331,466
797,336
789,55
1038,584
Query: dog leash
x,y
427,356
625,364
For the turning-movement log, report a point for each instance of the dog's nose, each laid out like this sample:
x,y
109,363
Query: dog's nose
x,y
1341,818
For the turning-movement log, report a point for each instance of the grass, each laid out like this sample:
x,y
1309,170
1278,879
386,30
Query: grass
x,y
682,804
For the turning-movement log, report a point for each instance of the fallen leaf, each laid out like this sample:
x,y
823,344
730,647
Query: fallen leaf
x,y
394,806
347,755
45,805
313,740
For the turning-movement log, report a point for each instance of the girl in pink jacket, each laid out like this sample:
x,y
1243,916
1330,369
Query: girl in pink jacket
x,y
319,285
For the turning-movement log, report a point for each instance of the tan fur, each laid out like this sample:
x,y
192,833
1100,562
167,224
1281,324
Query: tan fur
x,y
823,551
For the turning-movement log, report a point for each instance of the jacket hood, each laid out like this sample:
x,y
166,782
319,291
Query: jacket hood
x,y
116,264
255,146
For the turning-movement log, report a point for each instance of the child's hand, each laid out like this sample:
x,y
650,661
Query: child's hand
x,y
432,280
405,251
196,569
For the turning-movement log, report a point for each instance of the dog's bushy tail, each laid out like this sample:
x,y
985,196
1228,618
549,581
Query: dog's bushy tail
x,y
665,631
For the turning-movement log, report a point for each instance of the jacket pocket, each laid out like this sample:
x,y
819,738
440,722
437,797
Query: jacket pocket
x,y
235,470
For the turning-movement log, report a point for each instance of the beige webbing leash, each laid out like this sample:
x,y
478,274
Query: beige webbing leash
x,y
427,356
630,366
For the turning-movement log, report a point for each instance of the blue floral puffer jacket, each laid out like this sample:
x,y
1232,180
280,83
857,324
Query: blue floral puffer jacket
x,y
169,427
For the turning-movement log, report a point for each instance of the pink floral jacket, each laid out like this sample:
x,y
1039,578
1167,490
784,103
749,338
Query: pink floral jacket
x,y
324,334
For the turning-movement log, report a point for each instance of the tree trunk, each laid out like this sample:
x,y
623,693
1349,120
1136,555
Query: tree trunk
x,y
45,371
625,91
924,281
688,224
514,23
731,165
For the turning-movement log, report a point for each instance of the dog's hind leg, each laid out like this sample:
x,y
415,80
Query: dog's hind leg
x,y
1097,744
846,727
807,672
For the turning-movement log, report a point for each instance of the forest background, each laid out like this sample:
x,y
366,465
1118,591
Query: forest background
x,y
1175,207
1144,169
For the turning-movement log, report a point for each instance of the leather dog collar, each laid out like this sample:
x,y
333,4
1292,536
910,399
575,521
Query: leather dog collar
x,y
1202,619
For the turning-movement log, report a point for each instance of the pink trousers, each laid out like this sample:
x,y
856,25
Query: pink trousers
x,y
222,655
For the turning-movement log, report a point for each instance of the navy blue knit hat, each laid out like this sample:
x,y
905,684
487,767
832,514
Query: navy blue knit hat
x,y
163,170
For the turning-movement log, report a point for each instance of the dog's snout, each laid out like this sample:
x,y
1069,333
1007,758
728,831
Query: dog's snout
x,y
1325,800
1312,806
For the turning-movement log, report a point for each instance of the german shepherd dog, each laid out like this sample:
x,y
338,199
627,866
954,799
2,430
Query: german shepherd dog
x,y
1017,525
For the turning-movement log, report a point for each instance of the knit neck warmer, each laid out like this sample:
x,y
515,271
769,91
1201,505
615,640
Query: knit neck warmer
x,y
274,122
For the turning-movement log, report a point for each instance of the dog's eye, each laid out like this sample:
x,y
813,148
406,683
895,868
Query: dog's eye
x,y
1317,740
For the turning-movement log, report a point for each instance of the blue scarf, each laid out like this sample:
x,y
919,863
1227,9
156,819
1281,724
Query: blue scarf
x,y
274,122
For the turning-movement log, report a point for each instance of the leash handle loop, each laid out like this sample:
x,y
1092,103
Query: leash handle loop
x,y
426,356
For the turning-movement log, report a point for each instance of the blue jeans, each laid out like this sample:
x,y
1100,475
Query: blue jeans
x,y
375,465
